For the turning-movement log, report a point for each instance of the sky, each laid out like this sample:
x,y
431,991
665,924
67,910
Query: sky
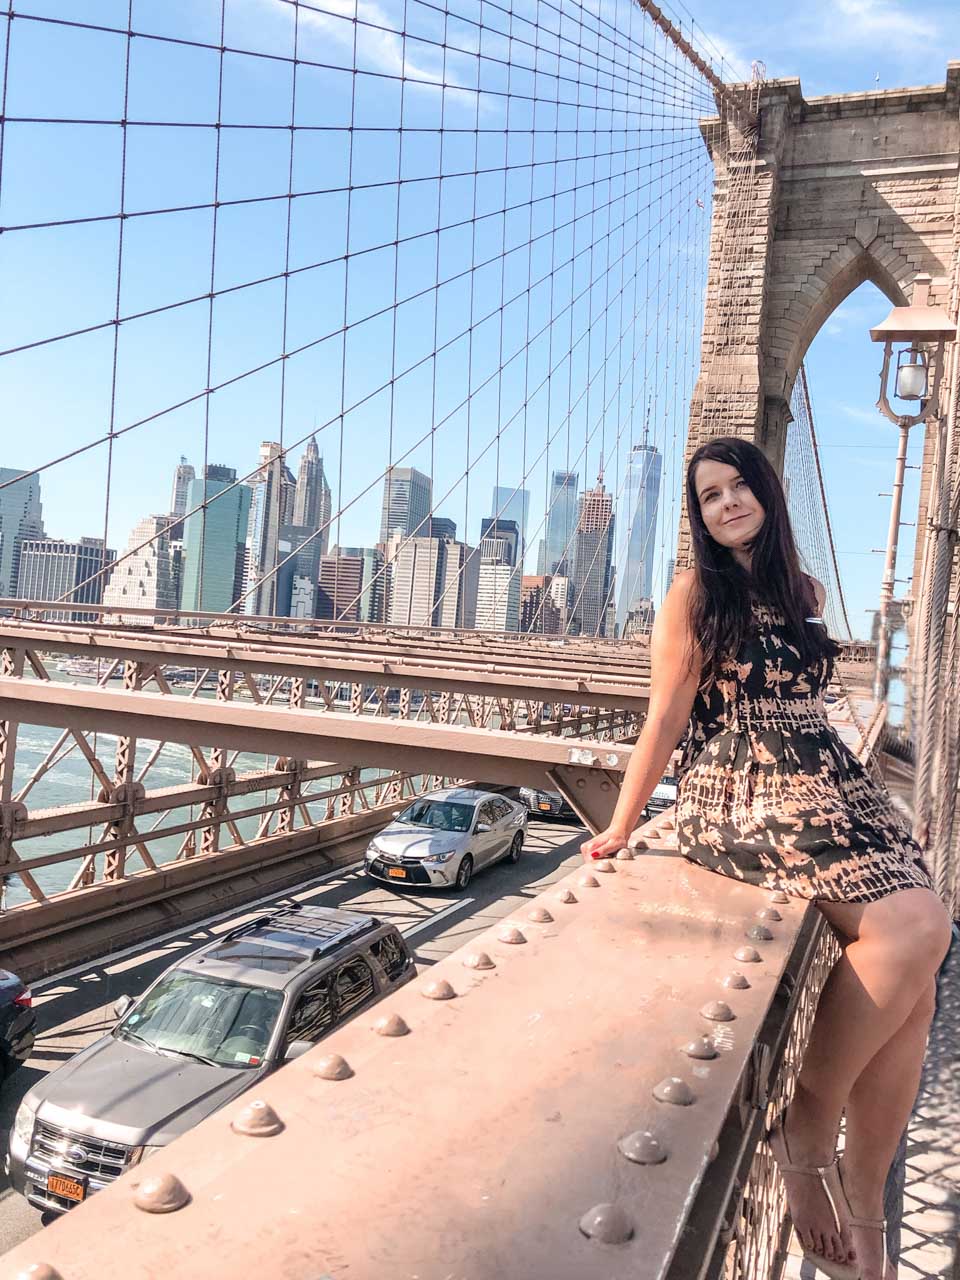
x,y
567,325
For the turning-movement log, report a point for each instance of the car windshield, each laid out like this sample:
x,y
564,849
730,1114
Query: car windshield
x,y
227,1024
441,815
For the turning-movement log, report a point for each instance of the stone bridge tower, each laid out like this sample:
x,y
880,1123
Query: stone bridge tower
x,y
813,197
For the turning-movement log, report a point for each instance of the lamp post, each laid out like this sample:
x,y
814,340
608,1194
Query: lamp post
x,y
925,330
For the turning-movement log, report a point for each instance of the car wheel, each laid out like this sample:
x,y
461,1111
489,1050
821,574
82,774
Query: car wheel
x,y
517,847
464,873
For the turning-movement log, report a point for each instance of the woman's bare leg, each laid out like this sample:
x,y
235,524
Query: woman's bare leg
x,y
896,946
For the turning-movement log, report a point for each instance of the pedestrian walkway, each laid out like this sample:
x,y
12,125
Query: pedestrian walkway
x,y
931,1207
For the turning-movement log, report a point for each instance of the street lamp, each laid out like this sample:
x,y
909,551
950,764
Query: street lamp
x,y
919,373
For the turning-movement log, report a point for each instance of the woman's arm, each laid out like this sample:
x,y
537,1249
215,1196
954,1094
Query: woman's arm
x,y
674,680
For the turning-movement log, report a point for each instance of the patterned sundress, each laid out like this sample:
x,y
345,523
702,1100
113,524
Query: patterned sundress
x,y
770,795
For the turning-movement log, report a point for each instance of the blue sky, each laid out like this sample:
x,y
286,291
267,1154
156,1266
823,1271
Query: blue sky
x,y
641,211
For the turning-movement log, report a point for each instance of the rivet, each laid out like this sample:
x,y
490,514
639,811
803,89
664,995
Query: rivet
x,y
604,786
674,1090
607,1222
604,866
587,881
769,913
391,1025
257,1120
540,915
714,1152
566,896
779,896
439,990
39,1271
759,933
736,981
511,934
703,1048
479,960
718,1011
624,855
162,1193
747,955
333,1067
581,782
667,823
642,1147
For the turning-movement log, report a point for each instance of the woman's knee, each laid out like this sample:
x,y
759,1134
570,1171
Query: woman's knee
x,y
920,925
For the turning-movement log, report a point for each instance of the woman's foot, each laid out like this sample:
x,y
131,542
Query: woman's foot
x,y
864,1210
814,1195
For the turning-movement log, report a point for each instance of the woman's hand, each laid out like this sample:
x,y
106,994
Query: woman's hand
x,y
608,843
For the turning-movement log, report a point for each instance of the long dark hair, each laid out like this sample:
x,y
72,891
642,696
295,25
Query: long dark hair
x,y
720,608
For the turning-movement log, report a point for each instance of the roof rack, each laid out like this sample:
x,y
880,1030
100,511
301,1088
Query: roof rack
x,y
300,920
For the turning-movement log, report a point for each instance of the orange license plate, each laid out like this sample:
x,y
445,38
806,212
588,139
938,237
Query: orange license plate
x,y
397,872
69,1188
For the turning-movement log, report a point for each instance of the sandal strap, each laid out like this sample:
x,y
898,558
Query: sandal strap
x,y
874,1224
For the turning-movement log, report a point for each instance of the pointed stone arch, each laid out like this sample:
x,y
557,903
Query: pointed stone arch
x,y
840,190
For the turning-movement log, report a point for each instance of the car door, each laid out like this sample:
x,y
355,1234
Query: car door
x,y
484,843
353,987
314,1013
505,827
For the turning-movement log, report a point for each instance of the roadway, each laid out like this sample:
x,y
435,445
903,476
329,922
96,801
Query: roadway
x,y
76,1007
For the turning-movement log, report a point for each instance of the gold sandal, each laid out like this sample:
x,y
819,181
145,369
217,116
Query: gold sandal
x,y
777,1141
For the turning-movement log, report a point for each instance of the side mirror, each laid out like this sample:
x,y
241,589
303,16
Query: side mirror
x,y
123,1006
296,1049
481,827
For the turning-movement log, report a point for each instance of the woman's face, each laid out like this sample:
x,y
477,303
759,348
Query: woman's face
x,y
732,515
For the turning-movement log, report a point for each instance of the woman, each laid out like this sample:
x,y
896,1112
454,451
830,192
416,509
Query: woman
x,y
770,795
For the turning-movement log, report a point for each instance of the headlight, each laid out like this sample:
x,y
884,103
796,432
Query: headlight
x,y
139,1154
442,857
23,1123
528,793
372,849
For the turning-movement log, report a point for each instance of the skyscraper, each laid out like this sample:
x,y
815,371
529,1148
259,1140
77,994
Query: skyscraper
x,y
592,560
50,568
636,551
313,502
556,549
271,506
407,497
433,582
498,586
214,543
144,580
298,560
373,581
512,504
183,477
21,517
340,587
500,541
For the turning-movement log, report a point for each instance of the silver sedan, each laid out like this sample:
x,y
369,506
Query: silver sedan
x,y
442,838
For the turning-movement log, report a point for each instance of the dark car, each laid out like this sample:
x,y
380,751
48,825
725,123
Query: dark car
x,y
209,1028
547,804
18,1023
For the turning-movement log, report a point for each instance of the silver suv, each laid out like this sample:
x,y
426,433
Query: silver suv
x,y
208,1029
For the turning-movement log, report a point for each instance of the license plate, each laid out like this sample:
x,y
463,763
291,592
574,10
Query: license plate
x,y
69,1188
398,873
546,807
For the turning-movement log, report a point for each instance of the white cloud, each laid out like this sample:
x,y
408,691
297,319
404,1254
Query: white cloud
x,y
881,20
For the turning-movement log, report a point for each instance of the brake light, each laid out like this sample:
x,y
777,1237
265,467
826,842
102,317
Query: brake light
x,y
24,1000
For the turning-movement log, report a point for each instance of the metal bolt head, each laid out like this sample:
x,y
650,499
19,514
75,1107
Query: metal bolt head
x,y
587,881
675,1091
718,1011
779,896
736,981
391,1025
540,915
438,990
759,933
747,955
511,934
479,960
257,1120
642,1147
333,1067
566,896
162,1193
608,1223
39,1271
624,855
581,782
604,866
702,1048
769,913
